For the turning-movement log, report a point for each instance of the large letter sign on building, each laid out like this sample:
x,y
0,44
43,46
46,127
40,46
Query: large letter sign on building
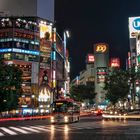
x,y
134,26
101,48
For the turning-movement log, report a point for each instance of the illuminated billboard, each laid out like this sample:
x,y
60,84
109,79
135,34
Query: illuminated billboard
x,y
45,30
138,44
115,62
134,26
101,48
19,51
90,58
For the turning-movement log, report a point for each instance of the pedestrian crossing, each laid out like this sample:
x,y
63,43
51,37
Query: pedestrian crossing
x,y
74,127
24,130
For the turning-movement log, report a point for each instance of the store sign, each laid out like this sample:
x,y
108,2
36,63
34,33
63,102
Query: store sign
x,y
44,28
134,26
101,70
19,51
115,62
90,58
101,48
138,59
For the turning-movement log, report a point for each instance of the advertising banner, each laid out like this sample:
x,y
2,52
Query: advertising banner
x,y
134,26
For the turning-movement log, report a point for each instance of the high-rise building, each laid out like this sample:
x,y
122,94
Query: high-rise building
x,y
26,41
28,8
101,54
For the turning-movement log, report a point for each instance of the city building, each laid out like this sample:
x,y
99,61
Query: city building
x,y
97,65
23,42
29,41
134,57
101,54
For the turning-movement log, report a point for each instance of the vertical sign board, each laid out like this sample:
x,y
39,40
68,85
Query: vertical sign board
x,y
134,31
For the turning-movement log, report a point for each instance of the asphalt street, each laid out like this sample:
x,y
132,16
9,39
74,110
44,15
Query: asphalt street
x,y
89,128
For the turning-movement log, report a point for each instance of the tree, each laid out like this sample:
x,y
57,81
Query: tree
x,y
117,86
82,92
10,86
134,76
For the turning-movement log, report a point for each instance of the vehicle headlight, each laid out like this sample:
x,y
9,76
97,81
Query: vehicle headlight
x,y
52,119
111,112
66,118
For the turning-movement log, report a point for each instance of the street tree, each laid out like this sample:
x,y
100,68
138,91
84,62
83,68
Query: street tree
x,y
116,86
10,86
82,92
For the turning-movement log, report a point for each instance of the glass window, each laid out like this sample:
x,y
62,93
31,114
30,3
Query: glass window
x,y
19,56
6,45
31,58
7,56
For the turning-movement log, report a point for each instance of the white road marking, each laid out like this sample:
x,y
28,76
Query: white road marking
x,y
30,129
1,134
19,130
39,128
8,131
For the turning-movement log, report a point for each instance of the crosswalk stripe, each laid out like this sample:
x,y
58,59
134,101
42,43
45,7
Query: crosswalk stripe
x,y
19,130
1,134
8,131
53,128
39,128
30,129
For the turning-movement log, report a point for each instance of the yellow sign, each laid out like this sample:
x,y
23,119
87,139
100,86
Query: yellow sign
x,y
101,48
44,29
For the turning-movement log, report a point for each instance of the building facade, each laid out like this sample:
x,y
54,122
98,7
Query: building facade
x,y
134,57
101,54
28,41
22,43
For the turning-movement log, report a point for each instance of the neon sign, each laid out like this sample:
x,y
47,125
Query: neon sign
x,y
101,48
19,51
115,62
90,58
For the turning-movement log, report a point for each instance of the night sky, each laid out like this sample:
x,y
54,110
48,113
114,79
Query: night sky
x,y
95,21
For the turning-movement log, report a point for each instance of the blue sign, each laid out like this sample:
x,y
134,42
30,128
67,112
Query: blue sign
x,y
20,51
5,50
136,24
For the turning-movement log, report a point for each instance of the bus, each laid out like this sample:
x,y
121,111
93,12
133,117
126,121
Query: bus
x,y
65,111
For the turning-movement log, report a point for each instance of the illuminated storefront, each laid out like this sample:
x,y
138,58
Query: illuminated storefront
x,y
26,42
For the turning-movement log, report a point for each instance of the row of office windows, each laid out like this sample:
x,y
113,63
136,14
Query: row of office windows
x,y
21,45
24,23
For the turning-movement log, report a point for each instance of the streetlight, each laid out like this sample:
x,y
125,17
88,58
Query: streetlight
x,y
66,35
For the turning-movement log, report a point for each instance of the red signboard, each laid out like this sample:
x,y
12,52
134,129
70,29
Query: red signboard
x,y
115,62
90,58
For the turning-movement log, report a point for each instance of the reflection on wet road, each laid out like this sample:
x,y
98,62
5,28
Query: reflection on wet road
x,y
83,130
